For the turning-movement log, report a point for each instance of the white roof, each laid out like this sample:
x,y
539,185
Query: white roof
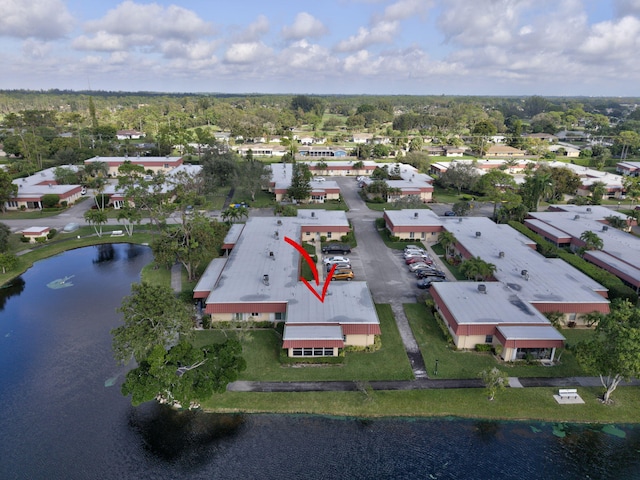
x,y
411,217
529,332
549,279
500,304
316,332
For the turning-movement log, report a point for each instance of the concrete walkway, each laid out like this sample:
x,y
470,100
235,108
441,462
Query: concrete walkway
x,y
418,384
176,277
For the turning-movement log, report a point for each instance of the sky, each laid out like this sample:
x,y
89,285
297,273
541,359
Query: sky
x,y
389,47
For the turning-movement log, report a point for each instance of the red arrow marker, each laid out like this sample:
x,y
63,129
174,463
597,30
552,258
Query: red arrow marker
x,y
314,270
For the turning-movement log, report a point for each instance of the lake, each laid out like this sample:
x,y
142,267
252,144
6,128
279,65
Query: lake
x,y
63,416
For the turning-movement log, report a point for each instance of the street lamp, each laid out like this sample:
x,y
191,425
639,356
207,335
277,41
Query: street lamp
x,y
618,205
435,371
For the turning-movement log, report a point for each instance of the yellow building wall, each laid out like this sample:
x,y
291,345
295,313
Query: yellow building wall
x,y
359,340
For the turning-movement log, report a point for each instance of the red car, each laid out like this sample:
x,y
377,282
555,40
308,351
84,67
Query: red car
x,y
411,260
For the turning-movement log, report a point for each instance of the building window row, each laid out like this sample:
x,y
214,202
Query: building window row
x,y
313,352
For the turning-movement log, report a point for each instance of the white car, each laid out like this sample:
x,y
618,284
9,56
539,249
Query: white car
x,y
332,260
319,179
415,253
417,266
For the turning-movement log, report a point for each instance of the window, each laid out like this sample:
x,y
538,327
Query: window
x,y
488,339
328,234
166,165
423,235
279,316
412,235
312,352
238,316
255,314
308,233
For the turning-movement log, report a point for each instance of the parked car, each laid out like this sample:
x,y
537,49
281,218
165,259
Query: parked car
x,y
430,273
426,282
319,179
412,247
414,267
339,266
414,253
336,248
424,259
343,274
449,213
332,260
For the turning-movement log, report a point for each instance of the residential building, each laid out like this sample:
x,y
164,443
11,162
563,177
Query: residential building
x,y
151,164
33,188
259,281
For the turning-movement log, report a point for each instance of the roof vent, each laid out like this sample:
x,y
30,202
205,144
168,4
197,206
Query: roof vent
x,y
460,220
415,215
276,234
478,234
265,279
279,222
589,209
525,274
272,255
482,288
313,214
605,228
577,217
501,254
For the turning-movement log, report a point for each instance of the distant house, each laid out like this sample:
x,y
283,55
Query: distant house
x,y
628,168
503,151
362,138
32,189
154,164
34,233
547,137
129,135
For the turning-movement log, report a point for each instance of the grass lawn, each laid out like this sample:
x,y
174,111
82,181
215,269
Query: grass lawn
x,y
467,364
510,404
262,351
386,238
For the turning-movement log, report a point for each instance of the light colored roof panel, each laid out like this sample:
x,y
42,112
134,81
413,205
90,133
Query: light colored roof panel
x,y
314,332
530,333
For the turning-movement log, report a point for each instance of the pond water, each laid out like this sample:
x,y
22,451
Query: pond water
x,y
63,416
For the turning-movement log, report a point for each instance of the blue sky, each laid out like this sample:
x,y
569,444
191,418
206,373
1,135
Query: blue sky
x,y
418,47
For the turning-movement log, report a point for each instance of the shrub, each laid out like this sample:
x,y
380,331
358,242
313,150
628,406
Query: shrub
x,y
24,239
380,223
64,204
323,238
206,321
50,200
483,347
52,233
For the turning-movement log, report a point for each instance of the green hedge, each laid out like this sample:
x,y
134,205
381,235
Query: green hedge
x,y
617,289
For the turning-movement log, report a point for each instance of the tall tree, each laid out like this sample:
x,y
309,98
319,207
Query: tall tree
x,y
7,189
614,352
591,241
497,186
184,375
253,177
536,187
300,188
193,243
494,380
152,317
448,241
459,176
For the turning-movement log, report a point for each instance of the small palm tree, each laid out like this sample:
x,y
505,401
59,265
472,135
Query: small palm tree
x,y
591,241
447,241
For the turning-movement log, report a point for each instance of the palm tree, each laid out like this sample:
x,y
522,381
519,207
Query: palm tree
x,y
448,242
591,241
476,268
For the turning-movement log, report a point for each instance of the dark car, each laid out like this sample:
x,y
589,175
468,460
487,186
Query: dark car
x,y
426,282
430,273
336,248
449,213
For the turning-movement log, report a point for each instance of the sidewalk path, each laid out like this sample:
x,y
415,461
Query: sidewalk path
x,y
176,277
419,384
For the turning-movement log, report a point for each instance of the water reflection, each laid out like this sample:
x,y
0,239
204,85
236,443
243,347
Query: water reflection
x,y
12,289
105,253
186,437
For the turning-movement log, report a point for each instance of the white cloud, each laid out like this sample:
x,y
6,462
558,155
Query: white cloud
x,y
303,56
404,9
255,30
247,52
383,32
193,51
304,26
36,49
43,19
101,42
619,39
